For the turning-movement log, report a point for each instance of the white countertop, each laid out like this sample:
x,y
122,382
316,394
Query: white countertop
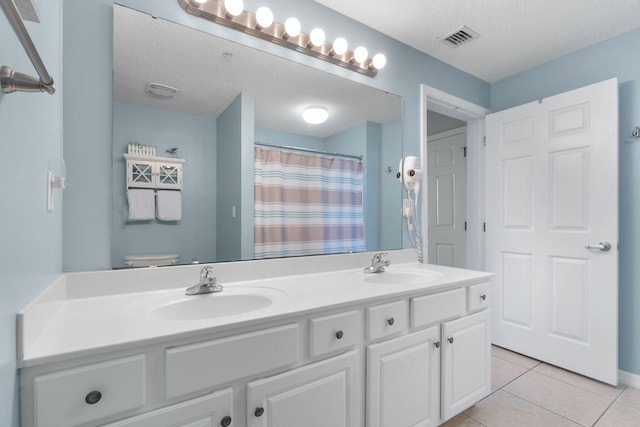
x,y
66,326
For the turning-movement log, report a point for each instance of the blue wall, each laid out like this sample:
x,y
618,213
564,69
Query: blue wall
x,y
195,137
30,135
614,58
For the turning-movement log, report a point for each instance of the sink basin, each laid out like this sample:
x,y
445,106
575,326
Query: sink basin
x,y
403,277
232,301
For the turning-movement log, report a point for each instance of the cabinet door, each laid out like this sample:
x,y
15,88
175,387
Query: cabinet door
x,y
168,175
322,394
403,381
212,410
140,174
466,362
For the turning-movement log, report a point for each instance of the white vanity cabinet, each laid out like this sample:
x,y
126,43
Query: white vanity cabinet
x,y
430,375
413,358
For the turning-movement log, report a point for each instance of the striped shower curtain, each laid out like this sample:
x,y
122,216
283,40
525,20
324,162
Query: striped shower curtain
x,y
306,204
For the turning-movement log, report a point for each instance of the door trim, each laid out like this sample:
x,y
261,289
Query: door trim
x,y
461,109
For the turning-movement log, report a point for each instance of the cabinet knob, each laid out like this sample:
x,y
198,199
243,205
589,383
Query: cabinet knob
x,y
450,339
339,335
226,421
437,344
259,411
93,397
391,321
483,297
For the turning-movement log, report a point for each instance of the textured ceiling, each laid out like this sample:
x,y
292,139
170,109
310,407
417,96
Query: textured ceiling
x,y
154,50
514,34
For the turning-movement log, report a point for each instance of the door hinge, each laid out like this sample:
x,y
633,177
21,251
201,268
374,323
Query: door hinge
x,y
464,149
484,141
484,227
465,226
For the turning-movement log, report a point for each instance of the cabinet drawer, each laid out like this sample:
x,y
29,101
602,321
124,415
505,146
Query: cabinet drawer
x,y
386,319
211,410
436,307
332,333
205,365
478,296
86,394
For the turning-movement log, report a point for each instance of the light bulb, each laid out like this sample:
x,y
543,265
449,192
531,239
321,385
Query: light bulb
x,y
292,27
317,37
315,114
234,7
264,17
379,61
200,1
340,46
360,54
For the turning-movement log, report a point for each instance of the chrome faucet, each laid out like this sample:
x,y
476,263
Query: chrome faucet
x,y
377,263
207,284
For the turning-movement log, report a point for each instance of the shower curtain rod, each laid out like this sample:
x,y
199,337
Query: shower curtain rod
x,y
13,81
308,150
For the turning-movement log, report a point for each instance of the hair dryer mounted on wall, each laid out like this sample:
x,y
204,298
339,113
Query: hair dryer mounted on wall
x,y
410,174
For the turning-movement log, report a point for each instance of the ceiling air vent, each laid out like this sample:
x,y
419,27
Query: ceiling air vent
x,y
458,37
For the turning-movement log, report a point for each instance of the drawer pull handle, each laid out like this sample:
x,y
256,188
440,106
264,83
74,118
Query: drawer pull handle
x,y
391,321
226,421
259,411
93,397
483,297
437,344
339,335
450,339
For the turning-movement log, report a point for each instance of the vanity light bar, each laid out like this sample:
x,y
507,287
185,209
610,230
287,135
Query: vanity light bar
x,y
214,10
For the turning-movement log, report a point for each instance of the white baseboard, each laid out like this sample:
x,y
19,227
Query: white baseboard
x,y
629,379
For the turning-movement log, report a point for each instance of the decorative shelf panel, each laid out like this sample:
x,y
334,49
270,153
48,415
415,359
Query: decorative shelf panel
x,y
154,172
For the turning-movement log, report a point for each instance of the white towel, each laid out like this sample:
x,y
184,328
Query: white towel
x,y
142,204
169,205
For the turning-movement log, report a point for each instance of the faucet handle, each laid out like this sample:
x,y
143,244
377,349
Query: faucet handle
x,y
378,257
206,273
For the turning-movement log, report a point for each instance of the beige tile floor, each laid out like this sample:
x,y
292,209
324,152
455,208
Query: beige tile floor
x,y
526,392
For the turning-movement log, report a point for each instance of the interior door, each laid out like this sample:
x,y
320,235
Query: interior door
x,y
552,229
446,170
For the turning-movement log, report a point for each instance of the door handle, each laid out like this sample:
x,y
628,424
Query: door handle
x,y
603,246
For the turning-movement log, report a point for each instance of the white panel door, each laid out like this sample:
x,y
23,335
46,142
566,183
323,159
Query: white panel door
x,y
552,190
446,176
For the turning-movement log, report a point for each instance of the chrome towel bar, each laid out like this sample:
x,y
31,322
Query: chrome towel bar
x,y
12,81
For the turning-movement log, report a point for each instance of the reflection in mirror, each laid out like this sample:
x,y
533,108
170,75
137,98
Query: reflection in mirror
x,y
216,122
446,177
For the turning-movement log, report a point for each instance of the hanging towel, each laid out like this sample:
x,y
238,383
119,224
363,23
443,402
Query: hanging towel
x,y
142,204
169,205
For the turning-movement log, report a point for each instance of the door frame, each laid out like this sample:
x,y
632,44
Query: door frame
x,y
458,108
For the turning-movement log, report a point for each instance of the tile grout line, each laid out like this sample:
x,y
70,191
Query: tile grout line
x,y
546,409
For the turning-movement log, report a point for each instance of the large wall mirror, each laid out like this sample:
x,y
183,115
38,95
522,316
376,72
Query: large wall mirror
x,y
231,99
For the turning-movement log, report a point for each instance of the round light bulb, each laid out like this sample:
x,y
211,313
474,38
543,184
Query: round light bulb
x,y
340,46
264,17
234,7
315,114
292,27
379,61
360,54
317,37
200,1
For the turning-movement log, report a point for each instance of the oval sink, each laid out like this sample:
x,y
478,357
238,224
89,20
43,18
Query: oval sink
x,y
403,277
232,301
207,306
